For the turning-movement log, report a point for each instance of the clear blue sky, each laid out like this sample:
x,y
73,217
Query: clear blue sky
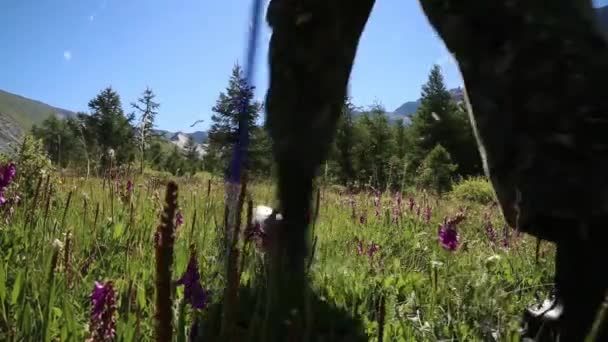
x,y
63,52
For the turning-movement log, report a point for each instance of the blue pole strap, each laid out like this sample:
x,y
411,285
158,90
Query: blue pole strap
x,y
239,156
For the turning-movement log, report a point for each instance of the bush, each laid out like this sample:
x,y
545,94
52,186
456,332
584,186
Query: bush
x,y
476,189
157,174
436,171
32,163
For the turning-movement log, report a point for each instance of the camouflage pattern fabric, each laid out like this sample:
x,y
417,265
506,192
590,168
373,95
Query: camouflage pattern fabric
x,y
534,74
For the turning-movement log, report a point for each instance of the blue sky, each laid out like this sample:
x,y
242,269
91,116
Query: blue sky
x,y
63,52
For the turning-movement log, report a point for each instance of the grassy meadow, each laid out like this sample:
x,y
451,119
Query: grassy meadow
x,y
377,259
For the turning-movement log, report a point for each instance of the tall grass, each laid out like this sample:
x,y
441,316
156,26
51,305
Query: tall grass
x,y
374,260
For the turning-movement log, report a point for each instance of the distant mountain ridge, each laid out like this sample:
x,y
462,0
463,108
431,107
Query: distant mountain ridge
x,y
411,107
199,137
18,114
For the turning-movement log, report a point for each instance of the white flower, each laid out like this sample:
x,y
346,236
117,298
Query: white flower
x,y
261,213
494,257
57,244
435,263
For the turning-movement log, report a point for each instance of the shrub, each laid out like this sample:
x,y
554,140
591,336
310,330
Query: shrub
x,y
436,171
475,189
32,163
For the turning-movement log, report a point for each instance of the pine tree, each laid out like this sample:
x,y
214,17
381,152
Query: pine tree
x,y
224,129
402,144
439,120
400,139
260,153
56,139
192,155
382,145
155,153
362,157
344,141
432,120
113,129
84,128
147,109
175,162
464,149
436,170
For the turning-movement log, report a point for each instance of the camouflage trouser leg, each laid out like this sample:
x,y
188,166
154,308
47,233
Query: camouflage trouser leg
x,y
311,53
533,74
580,288
581,283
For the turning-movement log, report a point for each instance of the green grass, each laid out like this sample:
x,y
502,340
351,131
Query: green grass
x,y
429,294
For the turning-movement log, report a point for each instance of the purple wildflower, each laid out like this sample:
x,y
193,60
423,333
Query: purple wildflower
x,y
373,248
363,218
411,203
489,228
427,214
448,235
193,292
397,209
129,186
377,205
505,236
353,205
351,200
396,215
179,219
103,309
359,247
418,210
7,173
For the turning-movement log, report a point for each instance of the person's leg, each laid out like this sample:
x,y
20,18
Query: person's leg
x,y
581,284
311,54
533,74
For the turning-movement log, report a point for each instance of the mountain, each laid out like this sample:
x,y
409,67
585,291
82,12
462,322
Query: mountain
x,y
200,137
18,114
406,110
180,139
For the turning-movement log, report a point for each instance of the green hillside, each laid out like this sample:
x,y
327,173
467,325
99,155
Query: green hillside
x,y
26,111
18,114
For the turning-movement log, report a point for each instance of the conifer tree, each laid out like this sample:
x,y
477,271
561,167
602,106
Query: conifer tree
x,y
226,115
147,109
381,145
432,121
344,141
111,127
439,120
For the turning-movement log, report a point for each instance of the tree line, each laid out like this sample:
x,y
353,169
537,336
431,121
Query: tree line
x,y
369,150
435,148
